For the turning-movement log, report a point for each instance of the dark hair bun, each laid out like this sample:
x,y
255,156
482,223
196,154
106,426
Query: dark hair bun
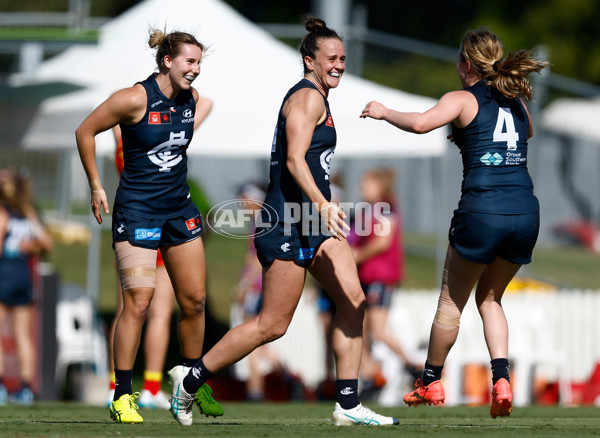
x,y
313,23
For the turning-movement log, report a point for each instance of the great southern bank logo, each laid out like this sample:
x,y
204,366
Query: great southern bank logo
x,y
488,159
242,218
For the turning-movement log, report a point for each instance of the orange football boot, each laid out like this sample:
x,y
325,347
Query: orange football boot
x,y
501,399
430,394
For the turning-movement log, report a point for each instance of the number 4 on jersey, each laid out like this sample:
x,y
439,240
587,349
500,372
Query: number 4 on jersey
x,y
505,129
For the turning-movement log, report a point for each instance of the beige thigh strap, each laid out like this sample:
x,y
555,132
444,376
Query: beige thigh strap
x,y
137,266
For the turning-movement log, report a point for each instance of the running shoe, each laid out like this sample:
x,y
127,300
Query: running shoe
x,y
181,401
206,403
24,397
154,401
430,394
125,410
501,399
360,415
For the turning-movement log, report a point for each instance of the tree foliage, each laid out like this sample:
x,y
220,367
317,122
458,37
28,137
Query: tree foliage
x,y
567,30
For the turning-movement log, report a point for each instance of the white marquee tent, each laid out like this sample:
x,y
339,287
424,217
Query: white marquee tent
x,y
246,72
574,117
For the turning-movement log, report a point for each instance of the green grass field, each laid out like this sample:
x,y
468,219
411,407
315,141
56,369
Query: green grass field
x,y
298,420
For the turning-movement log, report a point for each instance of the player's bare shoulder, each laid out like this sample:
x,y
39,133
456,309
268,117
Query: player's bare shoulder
x,y
134,97
458,96
130,103
306,100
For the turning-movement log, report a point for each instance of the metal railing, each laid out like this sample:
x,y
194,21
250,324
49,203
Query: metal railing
x,y
50,19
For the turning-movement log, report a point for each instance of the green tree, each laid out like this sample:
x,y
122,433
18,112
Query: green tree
x,y
567,29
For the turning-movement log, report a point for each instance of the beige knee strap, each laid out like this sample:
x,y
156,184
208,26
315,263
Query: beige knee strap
x,y
445,321
447,316
137,266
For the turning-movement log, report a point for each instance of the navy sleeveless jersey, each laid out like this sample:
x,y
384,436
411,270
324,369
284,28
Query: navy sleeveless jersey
x,y
282,186
494,154
154,179
15,275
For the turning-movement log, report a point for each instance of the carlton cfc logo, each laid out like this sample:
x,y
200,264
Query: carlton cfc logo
x,y
168,154
325,159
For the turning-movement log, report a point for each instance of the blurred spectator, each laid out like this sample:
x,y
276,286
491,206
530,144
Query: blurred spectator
x,y
377,249
21,236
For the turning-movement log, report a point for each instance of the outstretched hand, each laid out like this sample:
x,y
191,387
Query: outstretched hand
x,y
373,109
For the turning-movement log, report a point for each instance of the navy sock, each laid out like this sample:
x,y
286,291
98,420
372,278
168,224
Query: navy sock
x,y
187,362
431,373
197,376
347,393
122,383
499,370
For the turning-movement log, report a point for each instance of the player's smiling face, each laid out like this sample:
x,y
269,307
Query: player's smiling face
x,y
329,64
185,67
